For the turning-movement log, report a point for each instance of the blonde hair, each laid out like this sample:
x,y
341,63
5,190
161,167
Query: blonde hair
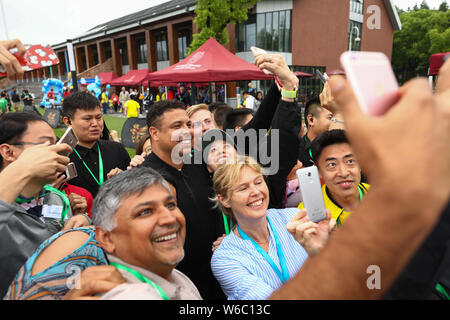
x,y
226,177
193,109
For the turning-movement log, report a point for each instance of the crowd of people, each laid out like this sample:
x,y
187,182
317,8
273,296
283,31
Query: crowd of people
x,y
210,207
11,100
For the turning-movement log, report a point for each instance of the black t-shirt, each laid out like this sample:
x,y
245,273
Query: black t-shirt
x,y
114,155
204,224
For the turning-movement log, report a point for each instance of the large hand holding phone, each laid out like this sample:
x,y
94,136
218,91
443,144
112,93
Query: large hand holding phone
x,y
372,79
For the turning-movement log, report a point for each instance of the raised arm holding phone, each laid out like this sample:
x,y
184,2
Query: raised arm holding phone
x,y
392,221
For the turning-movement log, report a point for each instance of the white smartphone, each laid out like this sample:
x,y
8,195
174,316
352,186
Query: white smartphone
x,y
372,79
70,138
257,51
309,183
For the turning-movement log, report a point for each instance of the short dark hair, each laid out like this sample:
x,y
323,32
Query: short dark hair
x,y
312,107
79,100
236,118
221,113
159,108
326,139
246,92
14,125
214,105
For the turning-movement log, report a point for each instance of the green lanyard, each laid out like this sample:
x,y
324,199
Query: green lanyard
x,y
64,199
100,166
441,289
225,223
142,278
61,195
338,220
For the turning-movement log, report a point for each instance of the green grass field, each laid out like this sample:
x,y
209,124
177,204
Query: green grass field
x,y
112,122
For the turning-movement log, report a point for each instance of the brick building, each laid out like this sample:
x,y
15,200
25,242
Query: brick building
x,y
311,34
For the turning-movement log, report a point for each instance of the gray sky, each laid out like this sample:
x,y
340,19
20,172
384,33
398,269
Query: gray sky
x,y
54,21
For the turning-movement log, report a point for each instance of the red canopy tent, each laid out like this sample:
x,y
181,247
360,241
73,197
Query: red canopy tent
x,y
303,74
436,61
132,78
107,77
210,63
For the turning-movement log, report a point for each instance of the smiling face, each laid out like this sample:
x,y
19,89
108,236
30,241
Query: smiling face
x,y
339,170
219,152
249,197
150,230
173,130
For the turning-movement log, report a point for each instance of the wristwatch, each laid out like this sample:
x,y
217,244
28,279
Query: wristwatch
x,y
289,94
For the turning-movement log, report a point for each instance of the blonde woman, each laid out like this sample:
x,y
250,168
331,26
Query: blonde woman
x,y
266,247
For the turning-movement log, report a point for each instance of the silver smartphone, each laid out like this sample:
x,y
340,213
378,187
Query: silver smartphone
x,y
71,171
70,138
309,183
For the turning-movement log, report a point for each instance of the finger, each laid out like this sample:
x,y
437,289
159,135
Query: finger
x,y
307,234
331,225
15,43
7,62
346,100
302,227
299,215
61,148
69,225
93,287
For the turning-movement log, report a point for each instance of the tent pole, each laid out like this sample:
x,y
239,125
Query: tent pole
x,y
225,87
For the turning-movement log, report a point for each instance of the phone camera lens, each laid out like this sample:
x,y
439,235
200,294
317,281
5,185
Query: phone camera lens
x,y
309,174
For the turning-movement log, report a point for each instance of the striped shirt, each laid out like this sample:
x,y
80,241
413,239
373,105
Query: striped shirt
x,y
244,273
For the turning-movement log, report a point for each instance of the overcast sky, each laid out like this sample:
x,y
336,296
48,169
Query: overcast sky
x,y
54,21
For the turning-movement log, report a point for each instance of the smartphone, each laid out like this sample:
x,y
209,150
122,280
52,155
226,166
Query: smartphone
x,y
71,171
372,79
322,77
35,57
70,138
256,51
311,190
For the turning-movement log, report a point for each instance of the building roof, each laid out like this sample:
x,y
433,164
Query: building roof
x,y
163,8
168,9
393,14
155,13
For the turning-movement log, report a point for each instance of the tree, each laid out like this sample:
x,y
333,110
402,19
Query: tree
x,y
443,6
424,5
424,32
213,16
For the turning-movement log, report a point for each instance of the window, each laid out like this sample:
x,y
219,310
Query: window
x,y
141,49
184,41
270,31
161,46
309,87
123,51
357,6
354,32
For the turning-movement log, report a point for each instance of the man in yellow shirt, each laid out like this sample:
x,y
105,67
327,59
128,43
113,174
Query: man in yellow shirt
x,y
338,168
132,108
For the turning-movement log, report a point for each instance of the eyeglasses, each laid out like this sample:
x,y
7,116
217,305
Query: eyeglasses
x,y
22,143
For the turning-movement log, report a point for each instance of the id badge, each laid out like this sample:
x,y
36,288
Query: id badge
x,y
52,211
